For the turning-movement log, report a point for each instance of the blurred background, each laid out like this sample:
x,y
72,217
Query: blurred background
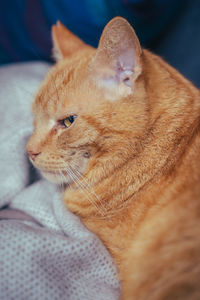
x,y
169,28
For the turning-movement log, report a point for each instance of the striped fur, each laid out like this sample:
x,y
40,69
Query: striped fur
x,y
133,165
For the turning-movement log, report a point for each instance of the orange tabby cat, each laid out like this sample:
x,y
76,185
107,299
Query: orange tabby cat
x,y
122,127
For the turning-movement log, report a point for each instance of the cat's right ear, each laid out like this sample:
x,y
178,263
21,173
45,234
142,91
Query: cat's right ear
x,y
117,63
65,43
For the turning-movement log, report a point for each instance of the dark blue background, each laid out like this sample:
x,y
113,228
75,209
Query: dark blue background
x,y
168,27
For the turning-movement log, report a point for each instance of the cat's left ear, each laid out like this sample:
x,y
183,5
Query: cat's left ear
x,y
65,43
117,63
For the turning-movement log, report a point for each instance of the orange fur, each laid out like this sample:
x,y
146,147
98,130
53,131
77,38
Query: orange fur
x,y
131,157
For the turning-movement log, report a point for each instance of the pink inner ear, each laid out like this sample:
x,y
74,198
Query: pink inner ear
x,y
125,77
117,61
125,67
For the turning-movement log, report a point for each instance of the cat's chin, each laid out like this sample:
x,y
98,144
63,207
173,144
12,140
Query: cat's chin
x,y
55,178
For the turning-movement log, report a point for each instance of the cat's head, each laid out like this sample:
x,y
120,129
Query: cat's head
x,y
91,109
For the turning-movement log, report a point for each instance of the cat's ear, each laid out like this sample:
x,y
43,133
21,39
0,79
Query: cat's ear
x,y
65,43
118,59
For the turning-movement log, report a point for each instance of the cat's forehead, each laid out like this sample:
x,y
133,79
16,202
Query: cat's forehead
x,y
67,89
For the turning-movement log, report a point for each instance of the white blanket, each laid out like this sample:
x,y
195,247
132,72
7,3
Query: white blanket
x,y
55,256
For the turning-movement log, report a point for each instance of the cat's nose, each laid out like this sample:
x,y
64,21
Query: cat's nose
x,y
32,154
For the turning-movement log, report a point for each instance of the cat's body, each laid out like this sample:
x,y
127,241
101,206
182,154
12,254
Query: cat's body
x,y
133,152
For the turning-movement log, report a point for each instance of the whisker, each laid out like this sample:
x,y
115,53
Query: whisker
x,y
85,182
62,181
76,180
83,190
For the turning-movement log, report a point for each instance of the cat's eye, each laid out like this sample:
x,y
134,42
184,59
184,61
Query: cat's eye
x,y
67,122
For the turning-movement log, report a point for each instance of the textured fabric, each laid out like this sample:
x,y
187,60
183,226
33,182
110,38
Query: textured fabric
x,y
54,257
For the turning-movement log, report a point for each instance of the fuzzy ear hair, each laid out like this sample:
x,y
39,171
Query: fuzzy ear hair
x,y
65,43
117,61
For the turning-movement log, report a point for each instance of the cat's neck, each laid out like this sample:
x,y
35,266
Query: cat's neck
x,y
150,192
135,186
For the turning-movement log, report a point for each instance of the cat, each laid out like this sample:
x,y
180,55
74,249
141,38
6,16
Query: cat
x,y
120,128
